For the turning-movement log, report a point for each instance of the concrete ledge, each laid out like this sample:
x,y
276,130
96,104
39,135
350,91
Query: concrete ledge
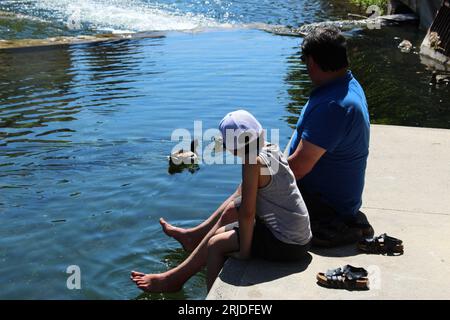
x,y
407,195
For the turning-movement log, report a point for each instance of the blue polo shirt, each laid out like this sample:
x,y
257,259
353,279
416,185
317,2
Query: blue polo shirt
x,y
336,118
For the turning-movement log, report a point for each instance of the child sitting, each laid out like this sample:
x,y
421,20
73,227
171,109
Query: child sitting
x,y
266,217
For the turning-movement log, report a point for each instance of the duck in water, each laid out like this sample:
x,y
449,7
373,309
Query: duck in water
x,y
184,159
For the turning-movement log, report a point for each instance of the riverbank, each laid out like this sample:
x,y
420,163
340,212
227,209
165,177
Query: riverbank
x,y
406,195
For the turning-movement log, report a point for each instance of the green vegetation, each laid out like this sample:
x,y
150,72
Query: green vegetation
x,y
366,3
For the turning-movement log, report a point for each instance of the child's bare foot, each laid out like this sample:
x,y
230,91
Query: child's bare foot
x,y
157,283
179,234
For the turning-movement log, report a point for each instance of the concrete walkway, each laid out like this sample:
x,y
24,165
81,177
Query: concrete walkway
x,y
407,195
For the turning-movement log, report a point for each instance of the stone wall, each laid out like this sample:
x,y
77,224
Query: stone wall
x,y
425,9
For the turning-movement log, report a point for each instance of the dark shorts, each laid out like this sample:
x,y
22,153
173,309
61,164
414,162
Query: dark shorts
x,y
266,246
317,208
322,215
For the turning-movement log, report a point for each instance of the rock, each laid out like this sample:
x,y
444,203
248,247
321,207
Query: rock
x,y
435,40
437,78
405,46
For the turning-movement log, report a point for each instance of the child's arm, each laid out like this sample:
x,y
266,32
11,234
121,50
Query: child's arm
x,y
238,191
247,210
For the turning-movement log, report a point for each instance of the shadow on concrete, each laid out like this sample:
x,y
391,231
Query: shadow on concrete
x,y
247,273
343,251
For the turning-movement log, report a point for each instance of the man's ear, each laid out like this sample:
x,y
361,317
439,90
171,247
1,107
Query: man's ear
x,y
312,64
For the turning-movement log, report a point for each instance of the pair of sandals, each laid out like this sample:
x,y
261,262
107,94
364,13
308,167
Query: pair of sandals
x,y
355,278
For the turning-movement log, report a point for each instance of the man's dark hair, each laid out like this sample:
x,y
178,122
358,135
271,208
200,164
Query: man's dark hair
x,y
328,47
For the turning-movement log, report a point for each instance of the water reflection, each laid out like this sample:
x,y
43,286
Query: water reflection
x,y
43,90
299,87
35,95
107,73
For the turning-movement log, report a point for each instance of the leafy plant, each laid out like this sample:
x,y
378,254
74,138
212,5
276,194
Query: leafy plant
x,y
367,3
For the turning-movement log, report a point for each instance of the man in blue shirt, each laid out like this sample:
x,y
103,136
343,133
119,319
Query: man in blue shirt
x,y
329,150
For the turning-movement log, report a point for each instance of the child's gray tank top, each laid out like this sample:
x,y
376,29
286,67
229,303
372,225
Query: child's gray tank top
x,y
280,204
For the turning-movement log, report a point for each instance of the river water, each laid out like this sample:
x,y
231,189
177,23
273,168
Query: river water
x,y
85,129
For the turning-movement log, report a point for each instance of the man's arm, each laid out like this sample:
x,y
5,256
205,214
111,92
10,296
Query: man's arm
x,y
305,157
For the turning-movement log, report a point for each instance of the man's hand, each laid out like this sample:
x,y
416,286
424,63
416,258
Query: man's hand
x,y
305,157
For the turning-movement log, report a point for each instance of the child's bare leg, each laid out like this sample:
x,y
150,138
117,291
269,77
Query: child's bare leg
x,y
190,238
173,280
222,243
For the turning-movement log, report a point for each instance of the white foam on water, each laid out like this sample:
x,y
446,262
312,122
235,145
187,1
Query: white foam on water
x,y
123,16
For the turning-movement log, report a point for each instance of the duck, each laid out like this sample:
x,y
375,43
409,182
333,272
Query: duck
x,y
183,157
